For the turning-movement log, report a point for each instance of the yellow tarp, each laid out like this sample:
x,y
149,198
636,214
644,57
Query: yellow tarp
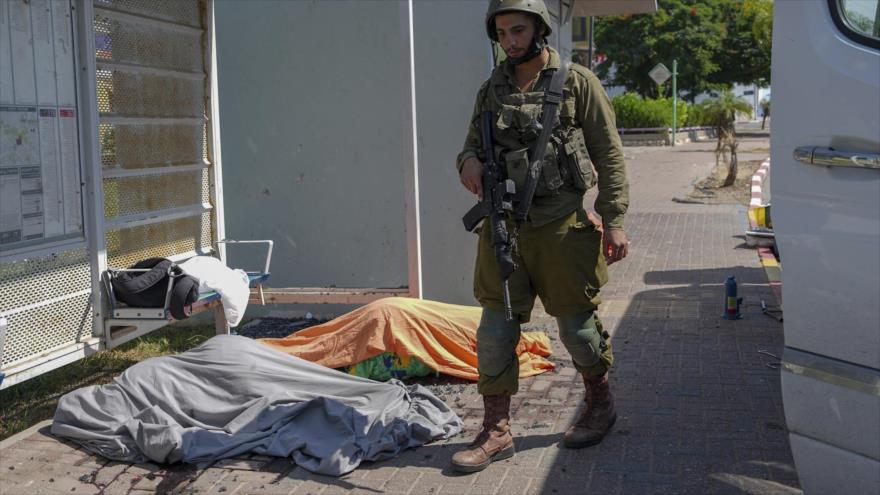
x,y
443,336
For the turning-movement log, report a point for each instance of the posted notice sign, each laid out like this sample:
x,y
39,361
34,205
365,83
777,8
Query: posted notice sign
x,y
40,183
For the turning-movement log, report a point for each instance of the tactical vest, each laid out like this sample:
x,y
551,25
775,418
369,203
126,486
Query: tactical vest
x,y
567,163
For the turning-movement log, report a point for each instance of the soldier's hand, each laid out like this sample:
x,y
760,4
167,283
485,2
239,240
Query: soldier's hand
x,y
472,176
615,245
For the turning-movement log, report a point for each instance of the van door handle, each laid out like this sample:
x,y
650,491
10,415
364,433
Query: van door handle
x,y
830,157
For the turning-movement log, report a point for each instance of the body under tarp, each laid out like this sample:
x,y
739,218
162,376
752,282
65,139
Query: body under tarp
x,y
442,336
232,396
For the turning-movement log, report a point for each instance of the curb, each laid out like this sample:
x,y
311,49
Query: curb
x,y
773,271
772,268
758,183
758,233
14,439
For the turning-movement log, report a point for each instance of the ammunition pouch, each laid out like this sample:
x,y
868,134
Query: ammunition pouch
x,y
575,159
566,161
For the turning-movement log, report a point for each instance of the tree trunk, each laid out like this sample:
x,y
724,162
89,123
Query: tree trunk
x,y
719,147
732,167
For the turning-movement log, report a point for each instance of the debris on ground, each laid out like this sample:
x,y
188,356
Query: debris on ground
x,y
262,328
709,190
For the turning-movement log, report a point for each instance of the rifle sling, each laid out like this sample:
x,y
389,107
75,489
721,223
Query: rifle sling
x,y
552,98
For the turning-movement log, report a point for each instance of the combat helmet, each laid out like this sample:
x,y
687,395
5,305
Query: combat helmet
x,y
536,7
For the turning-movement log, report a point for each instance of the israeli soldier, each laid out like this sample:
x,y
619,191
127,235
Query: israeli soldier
x,y
561,255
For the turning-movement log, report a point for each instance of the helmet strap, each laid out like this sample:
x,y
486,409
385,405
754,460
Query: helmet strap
x,y
539,42
535,48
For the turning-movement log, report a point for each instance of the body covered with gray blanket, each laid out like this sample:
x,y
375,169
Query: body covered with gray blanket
x,y
232,395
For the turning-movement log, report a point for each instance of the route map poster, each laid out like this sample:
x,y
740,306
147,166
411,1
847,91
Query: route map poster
x,y
40,177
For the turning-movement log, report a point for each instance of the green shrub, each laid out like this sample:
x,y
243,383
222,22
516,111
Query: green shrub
x,y
722,109
698,116
633,111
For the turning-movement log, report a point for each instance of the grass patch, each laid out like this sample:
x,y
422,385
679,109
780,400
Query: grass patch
x,y
28,403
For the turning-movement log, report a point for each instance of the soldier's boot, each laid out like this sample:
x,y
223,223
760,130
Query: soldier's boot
x,y
596,419
493,443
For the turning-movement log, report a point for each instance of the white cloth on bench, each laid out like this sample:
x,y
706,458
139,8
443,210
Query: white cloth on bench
x,y
233,285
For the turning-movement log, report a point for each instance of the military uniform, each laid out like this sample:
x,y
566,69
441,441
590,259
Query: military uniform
x,y
558,250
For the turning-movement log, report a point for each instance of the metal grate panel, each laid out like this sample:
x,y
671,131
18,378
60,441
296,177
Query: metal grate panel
x,y
149,145
132,195
151,65
129,94
126,247
177,11
39,330
146,44
206,187
31,281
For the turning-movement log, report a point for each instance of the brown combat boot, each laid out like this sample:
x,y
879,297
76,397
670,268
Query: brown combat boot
x,y
494,441
596,419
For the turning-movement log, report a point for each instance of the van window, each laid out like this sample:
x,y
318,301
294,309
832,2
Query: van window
x,y
858,19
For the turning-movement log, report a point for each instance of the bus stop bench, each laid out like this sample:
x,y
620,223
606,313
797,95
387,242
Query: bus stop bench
x,y
125,323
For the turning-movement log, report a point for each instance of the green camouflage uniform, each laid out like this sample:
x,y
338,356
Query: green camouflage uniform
x,y
558,250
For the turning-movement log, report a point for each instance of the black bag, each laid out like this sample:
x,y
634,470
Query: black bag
x,y
148,289
183,294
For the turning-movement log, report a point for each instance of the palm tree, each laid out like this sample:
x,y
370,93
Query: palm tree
x,y
765,110
722,112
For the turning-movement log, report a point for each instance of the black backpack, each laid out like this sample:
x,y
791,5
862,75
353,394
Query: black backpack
x,y
148,289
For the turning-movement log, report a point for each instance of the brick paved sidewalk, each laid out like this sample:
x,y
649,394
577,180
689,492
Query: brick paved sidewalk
x,y
699,407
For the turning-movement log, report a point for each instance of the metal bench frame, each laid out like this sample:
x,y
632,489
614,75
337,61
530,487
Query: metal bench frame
x,y
127,323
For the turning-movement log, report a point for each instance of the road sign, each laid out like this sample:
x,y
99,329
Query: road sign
x,y
660,73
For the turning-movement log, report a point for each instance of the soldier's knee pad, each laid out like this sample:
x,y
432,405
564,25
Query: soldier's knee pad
x,y
496,342
581,337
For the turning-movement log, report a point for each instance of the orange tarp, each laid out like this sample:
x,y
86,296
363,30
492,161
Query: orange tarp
x,y
443,336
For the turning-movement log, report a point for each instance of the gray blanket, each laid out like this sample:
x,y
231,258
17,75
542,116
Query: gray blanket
x,y
232,395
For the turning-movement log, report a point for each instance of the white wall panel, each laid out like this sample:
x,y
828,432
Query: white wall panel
x,y
313,99
316,128
453,59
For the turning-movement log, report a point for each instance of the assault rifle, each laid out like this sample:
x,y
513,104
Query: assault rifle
x,y
497,201
498,192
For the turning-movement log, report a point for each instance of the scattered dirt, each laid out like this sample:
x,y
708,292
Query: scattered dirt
x,y
263,328
709,190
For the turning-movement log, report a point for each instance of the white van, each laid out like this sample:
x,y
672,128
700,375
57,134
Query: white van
x,y
826,208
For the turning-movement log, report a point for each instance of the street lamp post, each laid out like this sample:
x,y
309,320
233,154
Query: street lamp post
x,y
590,53
674,98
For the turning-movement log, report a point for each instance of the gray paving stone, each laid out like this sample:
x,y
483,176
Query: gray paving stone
x,y
540,385
403,482
143,469
206,480
309,488
514,485
427,487
254,488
